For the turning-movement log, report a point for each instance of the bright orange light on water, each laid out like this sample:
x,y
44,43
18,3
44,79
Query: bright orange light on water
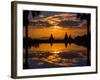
x,y
55,26
57,48
56,52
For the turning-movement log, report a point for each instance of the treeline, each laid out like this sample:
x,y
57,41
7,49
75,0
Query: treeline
x,y
79,40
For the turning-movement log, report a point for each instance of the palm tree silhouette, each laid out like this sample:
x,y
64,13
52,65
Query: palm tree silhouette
x,y
87,17
25,24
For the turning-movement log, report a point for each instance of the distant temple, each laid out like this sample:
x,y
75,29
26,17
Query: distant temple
x,y
51,38
66,38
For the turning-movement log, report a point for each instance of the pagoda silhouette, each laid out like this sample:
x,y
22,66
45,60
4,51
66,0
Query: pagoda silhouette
x,y
51,39
66,38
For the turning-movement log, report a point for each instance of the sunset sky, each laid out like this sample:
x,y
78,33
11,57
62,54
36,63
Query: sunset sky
x,y
56,51
56,23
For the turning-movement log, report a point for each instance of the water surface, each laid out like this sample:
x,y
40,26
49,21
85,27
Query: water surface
x,y
45,55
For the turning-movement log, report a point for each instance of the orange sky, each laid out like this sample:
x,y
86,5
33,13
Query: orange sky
x,y
53,18
57,32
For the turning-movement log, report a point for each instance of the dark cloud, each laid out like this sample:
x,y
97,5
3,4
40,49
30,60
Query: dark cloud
x,y
69,23
40,23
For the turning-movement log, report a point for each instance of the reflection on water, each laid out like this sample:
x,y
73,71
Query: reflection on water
x,y
58,55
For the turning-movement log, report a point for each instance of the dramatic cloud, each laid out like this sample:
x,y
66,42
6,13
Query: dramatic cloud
x,y
63,19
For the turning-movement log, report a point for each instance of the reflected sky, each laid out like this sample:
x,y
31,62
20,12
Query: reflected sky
x,y
57,47
57,55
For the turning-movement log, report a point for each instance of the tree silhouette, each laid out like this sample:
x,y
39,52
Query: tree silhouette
x,y
87,17
25,24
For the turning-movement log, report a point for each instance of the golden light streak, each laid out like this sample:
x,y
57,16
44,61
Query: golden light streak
x,y
56,52
56,48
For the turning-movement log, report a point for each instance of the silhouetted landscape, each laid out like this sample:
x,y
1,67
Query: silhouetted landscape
x,y
79,40
56,39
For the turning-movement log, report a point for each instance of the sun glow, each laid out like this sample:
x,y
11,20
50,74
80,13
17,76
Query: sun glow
x,y
56,52
56,27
